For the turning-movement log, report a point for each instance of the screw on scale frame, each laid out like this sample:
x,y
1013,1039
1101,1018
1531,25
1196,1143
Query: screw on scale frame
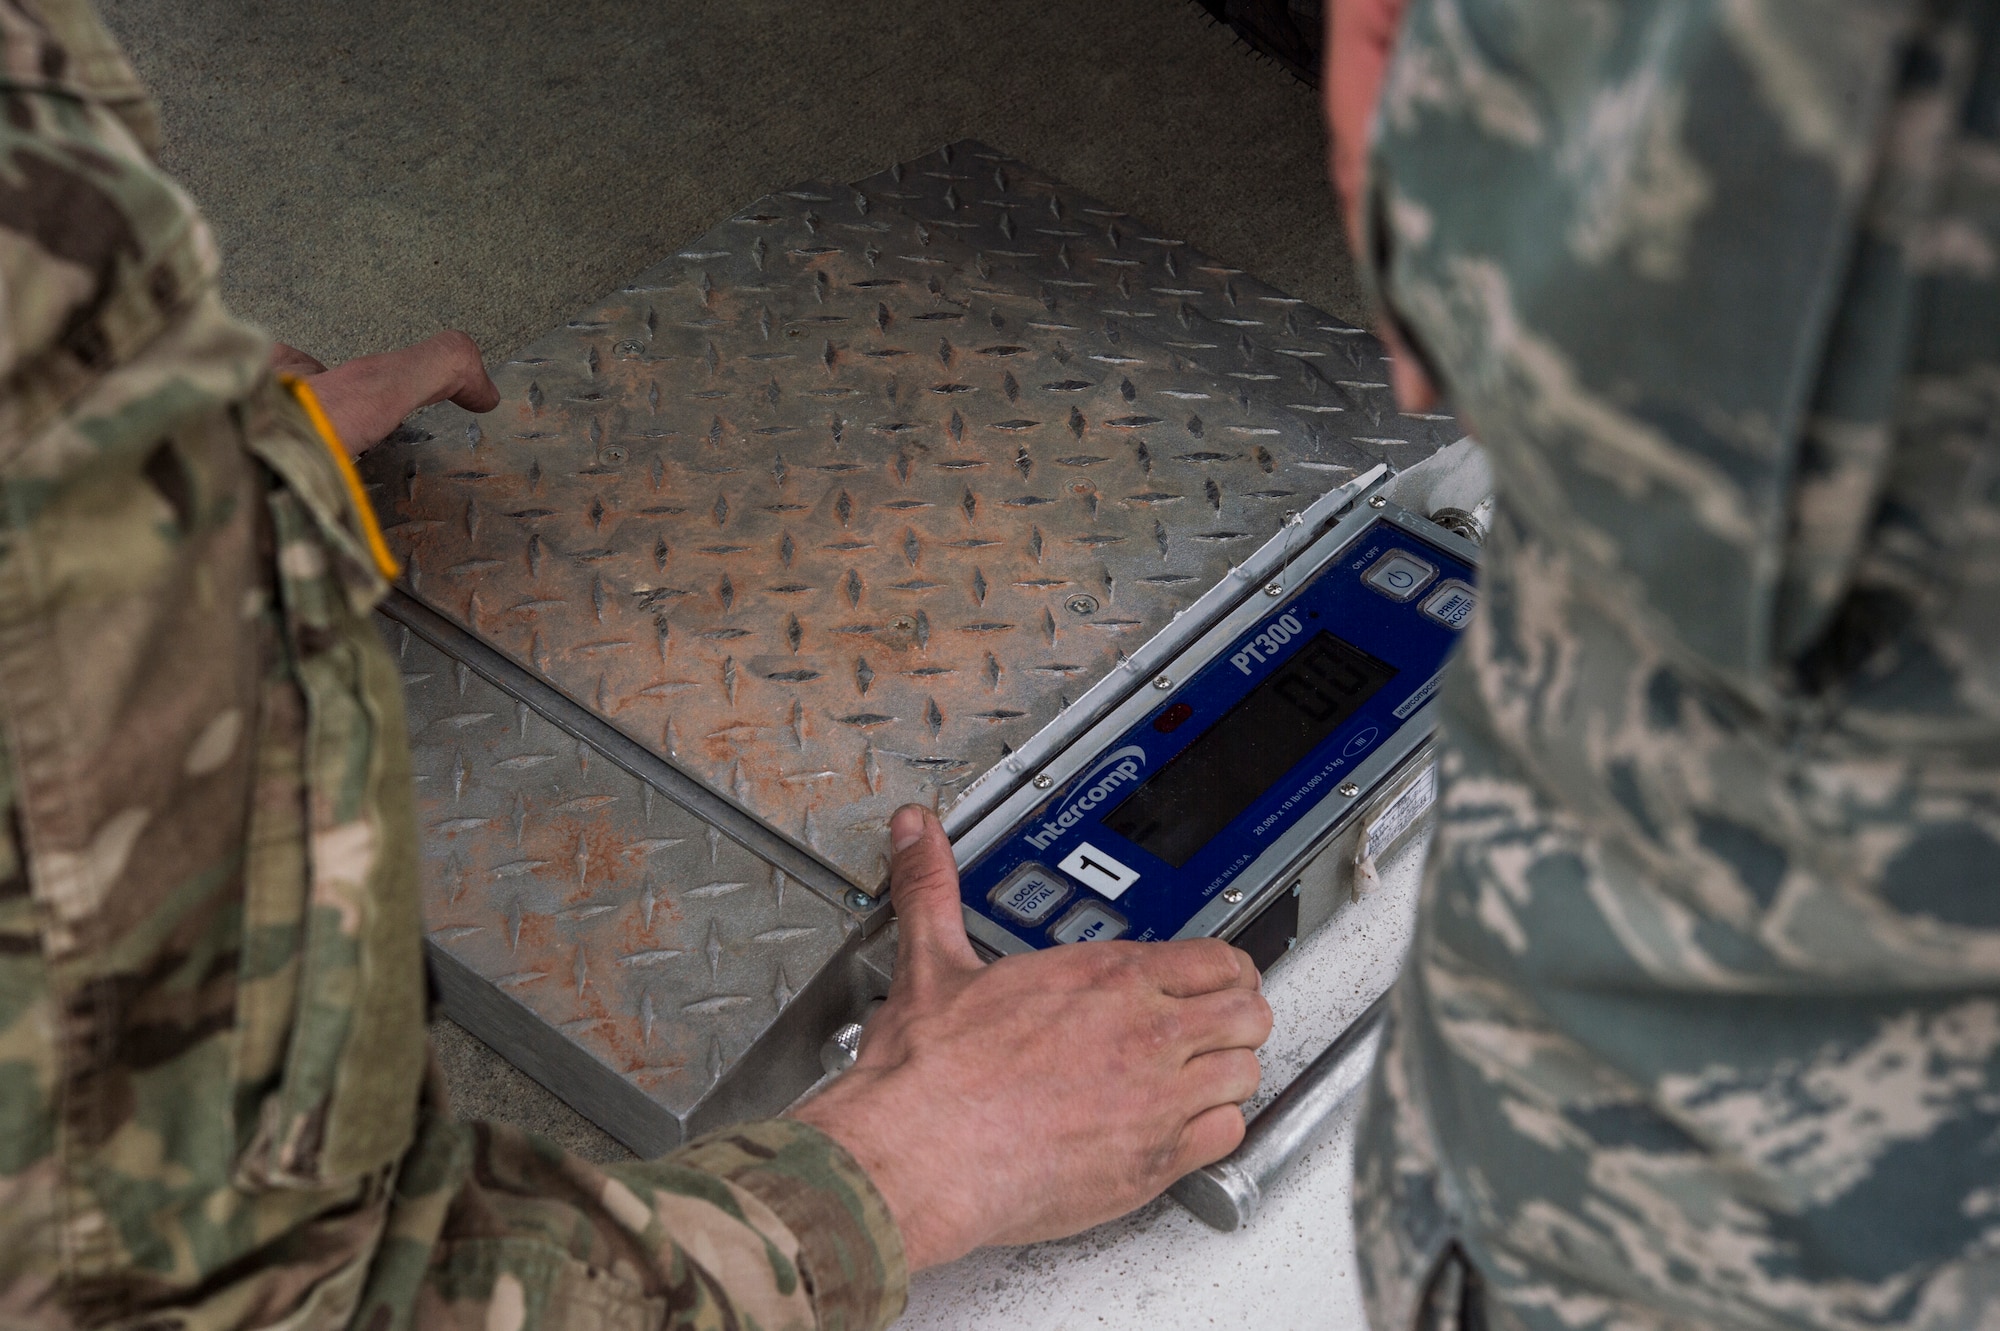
x,y
1274,589
1082,605
859,900
1233,896
1162,683
1378,501
1044,781
1349,789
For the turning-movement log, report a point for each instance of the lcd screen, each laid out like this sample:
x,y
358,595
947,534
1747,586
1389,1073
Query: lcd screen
x,y
1205,786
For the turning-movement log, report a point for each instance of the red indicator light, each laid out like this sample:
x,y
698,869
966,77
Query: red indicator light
x,y
1172,717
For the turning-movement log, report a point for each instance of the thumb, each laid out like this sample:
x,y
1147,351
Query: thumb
x,y
923,884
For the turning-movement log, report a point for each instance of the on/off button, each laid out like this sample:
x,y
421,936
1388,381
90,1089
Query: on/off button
x,y
1399,575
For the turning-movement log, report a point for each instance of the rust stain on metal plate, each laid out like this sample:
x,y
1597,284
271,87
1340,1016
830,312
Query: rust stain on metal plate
x,y
657,946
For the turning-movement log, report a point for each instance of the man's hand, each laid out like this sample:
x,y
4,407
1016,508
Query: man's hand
x,y
369,396
1359,36
1045,1093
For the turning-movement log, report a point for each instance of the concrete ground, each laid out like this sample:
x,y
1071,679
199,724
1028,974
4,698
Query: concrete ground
x,y
376,169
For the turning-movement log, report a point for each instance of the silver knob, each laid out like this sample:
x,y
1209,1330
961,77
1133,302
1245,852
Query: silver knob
x,y
841,1048
1462,523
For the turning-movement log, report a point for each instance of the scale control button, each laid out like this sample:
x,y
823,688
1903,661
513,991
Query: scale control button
x,y
1451,604
1098,871
1030,895
1399,575
1088,923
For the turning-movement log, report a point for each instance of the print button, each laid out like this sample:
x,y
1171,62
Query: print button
x,y
1451,604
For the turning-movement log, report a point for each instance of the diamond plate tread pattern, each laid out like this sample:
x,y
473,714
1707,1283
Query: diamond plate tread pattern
x,y
841,502
651,941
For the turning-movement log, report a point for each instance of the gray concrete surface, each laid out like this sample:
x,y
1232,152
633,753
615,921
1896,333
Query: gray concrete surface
x,y
377,170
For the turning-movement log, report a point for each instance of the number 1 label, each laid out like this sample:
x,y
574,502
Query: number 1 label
x,y
1098,871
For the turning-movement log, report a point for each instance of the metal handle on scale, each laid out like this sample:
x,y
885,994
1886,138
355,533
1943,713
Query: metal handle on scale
x,y
1226,1194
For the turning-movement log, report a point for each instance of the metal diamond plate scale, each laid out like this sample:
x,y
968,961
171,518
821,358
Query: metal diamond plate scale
x,y
581,903
842,501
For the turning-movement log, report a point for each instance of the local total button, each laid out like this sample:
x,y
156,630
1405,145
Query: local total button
x,y
1030,894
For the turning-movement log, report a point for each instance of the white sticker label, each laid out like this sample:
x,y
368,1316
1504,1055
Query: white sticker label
x,y
1405,809
1098,871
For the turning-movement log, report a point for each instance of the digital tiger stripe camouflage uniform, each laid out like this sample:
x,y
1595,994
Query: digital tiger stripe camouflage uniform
x,y
213,1104
1701,1028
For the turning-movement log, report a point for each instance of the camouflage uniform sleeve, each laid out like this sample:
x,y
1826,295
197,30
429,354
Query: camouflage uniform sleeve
x,y
850,1253
212,1053
212,1001
1700,1025
767,1224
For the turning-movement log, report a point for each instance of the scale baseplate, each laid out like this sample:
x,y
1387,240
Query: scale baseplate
x,y
827,512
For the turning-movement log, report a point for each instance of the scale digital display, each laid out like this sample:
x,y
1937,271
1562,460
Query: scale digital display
x,y
1275,726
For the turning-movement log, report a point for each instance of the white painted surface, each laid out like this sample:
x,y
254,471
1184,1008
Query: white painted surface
x,y
1160,1269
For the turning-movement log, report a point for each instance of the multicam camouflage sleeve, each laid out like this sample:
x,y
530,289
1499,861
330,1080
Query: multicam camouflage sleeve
x,y
212,1066
1701,1026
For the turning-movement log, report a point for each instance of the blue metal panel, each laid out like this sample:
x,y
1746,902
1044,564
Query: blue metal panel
x,y
1390,609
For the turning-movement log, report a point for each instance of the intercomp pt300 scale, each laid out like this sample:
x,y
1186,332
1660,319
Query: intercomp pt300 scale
x,y
901,490
1197,805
